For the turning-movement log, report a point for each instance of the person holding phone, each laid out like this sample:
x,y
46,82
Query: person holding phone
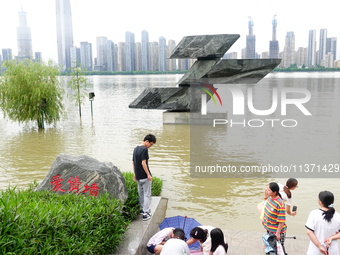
x,y
286,194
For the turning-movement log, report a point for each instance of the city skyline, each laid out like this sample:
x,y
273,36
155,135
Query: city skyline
x,y
41,18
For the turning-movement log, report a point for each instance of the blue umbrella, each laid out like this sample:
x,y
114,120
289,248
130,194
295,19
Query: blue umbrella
x,y
183,222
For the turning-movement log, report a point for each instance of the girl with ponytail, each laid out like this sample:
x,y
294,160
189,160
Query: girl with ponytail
x,y
323,226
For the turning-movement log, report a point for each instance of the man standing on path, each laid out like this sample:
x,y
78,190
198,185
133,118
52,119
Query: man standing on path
x,y
142,174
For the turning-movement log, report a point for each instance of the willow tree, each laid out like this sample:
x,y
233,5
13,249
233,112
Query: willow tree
x,y
30,91
79,84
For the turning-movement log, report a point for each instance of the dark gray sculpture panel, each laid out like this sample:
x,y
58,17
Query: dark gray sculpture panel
x,y
204,46
229,71
163,98
209,69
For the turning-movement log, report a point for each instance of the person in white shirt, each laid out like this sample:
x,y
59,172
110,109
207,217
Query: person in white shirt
x,y
323,227
176,245
157,241
286,194
218,245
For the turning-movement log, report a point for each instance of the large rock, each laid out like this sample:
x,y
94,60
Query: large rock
x,y
84,175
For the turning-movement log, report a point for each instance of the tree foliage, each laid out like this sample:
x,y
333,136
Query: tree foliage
x,y
78,83
30,91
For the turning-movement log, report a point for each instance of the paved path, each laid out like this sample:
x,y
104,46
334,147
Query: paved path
x,y
250,243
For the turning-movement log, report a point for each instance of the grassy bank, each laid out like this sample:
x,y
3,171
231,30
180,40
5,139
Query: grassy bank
x,y
46,223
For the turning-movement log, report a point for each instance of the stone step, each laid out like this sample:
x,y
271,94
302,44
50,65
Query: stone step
x,y
139,232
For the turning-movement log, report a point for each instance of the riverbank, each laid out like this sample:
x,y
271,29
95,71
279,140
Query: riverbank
x,y
240,242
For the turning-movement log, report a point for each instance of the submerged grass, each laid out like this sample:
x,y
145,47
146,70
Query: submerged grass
x,y
46,223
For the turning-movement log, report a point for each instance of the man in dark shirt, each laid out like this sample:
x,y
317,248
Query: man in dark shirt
x,y
142,174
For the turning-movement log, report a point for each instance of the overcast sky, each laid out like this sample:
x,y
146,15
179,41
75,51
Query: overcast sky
x,y
170,19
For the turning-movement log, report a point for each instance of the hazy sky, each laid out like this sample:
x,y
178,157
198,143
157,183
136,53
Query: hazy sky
x,y
170,19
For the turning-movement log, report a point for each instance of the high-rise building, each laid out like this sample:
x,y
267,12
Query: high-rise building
x,y
24,37
37,56
289,50
145,51
121,54
171,62
331,46
138,48
162,52
7,54
154,56
111,56
130,51
322,45
311,48
251,40
102,53
64,33
86,56
75,56
301,57
274,43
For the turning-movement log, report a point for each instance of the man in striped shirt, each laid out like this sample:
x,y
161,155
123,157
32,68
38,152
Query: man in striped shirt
x,y
274,217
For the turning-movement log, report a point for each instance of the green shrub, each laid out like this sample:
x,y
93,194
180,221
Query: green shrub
x,y
46,223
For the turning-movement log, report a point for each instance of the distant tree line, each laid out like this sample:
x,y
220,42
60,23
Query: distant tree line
x,y
295,68
124,72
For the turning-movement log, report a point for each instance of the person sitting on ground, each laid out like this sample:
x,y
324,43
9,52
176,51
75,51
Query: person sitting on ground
x,y
157,241
176,245
202,235
218,245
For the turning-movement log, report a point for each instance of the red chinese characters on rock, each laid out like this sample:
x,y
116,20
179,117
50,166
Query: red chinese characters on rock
x,y
56,181
75,183
93,189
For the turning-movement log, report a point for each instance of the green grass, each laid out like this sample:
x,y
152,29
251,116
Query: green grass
x,y
46,223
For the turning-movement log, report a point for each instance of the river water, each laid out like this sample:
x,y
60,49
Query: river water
x,y
229,203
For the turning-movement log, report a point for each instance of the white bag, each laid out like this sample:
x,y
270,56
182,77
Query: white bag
x,y
279,249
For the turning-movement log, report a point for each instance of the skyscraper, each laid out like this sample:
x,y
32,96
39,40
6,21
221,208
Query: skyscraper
x,y
138,48
24,37
274,43
7,54
171,62
162,52
289,50
75,56
121,55
64,33
102,53
331,46
154,56
86,55
322,45
130,51
311,48
250,45
110,56
145,51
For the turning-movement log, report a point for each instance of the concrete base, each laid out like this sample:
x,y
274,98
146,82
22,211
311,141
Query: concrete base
x,y
186,118
139,232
